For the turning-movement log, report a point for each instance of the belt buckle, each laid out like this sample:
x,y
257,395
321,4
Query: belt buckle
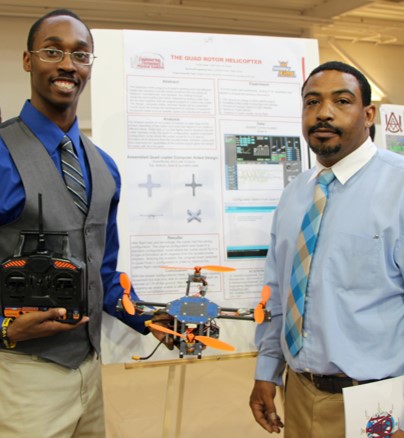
x,y
326,383
323,383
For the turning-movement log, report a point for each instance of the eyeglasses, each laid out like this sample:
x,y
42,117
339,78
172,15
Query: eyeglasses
x,y
56,55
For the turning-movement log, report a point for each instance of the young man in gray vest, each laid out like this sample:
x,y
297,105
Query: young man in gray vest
x,y
49,370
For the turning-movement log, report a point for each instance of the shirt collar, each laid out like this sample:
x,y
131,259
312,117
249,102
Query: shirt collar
x,y
349,165
45,130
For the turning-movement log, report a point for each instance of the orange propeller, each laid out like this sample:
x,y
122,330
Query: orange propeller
x,y
206,340
215,343
126,302
218,268
164,329
198,268
259,312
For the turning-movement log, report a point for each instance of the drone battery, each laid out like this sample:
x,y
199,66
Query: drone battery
x,y
41,281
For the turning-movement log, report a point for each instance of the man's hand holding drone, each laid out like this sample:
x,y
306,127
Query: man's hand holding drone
x,y
164,320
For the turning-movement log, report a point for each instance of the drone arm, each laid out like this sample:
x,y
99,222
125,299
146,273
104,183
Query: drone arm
x,y
237,317
150,304
238,314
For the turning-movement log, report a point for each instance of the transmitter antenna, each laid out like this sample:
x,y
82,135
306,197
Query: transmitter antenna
x,y
41,235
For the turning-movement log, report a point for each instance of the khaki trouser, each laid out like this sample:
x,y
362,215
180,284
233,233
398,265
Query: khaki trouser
x,y
40,399
311,413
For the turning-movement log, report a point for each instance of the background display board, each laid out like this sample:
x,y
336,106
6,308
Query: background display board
x,y
206,131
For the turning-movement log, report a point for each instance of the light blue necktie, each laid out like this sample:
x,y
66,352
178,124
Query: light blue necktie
x,y
306,244
73,175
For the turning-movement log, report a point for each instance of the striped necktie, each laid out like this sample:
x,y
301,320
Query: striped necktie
x,y
306,244
73,175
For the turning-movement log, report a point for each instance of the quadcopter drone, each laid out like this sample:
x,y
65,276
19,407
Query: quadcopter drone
x,y
191,318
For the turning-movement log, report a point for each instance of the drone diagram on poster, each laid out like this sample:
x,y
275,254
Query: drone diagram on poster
x,y
191,319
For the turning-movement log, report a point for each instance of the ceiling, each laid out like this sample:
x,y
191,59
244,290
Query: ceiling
x,y
378,22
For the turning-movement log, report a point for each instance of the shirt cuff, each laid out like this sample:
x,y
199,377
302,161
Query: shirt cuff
x,y
269,369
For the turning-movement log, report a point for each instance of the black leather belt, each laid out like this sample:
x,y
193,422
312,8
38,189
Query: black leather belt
x,y
333,384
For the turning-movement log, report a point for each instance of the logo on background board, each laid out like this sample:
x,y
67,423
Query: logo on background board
x,y
283,69
393,123
149,61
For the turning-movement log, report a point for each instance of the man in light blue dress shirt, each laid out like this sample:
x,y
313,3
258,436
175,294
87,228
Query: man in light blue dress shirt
x,y
353,329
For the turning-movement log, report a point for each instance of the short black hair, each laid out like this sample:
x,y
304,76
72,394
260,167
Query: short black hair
x,y
55,13
364,85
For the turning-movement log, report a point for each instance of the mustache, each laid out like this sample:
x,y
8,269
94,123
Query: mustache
x,y
325,125
66,75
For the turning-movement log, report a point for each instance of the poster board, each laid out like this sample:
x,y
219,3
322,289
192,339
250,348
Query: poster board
x,y
205,129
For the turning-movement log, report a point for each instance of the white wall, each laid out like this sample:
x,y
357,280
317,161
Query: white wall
x,y
384,65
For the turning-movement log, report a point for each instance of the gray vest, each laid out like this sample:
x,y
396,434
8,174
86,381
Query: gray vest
x,y
87,238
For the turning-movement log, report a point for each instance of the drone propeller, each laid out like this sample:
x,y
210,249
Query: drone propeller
x,y
126,302
198,268
214,343
259,312
218,268
206,340
164,329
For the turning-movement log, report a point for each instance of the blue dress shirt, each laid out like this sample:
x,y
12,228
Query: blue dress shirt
x,y
354,308
12,200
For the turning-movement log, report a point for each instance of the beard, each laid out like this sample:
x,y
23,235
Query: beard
x,y
325,151
322,149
